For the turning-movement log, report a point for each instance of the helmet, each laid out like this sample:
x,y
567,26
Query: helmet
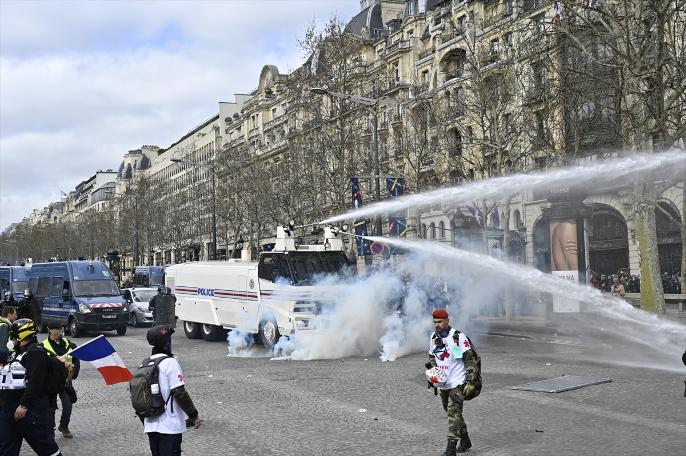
x,y
8,296
23,329
161,289
167,291
27,293
157,335
436,376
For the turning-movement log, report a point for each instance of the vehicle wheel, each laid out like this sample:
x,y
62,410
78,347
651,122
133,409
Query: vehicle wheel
x,y
213,333
133,320
74,328
192,330
269,332
121,330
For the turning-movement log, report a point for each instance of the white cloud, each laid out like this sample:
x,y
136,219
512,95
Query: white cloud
x,y
83,82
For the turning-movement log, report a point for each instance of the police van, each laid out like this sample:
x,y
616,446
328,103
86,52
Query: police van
x,y
148,276
14,279
271,297
80,295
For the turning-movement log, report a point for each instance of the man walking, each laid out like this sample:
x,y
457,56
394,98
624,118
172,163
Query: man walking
x,y
60,346
153,305
24,402
450,351
165,431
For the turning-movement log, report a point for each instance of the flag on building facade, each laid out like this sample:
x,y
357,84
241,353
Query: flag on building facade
x,y
102,355
397,224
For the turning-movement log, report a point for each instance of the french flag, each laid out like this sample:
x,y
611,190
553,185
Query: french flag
x,y
102,355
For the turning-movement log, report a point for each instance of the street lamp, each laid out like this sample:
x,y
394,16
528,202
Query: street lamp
x,y
214,198
372,105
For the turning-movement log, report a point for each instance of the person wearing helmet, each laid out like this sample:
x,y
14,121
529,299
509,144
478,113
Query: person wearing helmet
x,y
24,402
8,299
165,431
31,308
617,289
450,351
153,304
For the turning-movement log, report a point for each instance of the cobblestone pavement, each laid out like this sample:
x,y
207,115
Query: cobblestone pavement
x,y
360,406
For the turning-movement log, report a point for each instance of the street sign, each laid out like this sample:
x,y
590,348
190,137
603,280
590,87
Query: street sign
x,y
377,248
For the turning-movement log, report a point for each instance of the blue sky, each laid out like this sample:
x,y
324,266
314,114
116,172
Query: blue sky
x,y
82,82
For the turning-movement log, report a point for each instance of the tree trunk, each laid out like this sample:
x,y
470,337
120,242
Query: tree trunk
x,y
652,295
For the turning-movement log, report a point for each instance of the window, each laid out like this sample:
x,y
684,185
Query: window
x,y
586,110
425,76
56,287
456,143
273,113
541,127
494,50
396,71
441,230
538,23
432,231
43,287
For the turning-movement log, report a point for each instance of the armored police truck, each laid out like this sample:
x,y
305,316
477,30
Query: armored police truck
x,y
81,295
271,297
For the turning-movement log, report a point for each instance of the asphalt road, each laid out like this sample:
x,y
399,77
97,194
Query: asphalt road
x,y
361,406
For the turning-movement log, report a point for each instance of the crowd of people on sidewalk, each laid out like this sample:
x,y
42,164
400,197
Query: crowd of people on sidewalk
x,y
671,283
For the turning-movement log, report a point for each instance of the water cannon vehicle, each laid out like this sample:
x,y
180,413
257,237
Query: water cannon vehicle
x,y
273,296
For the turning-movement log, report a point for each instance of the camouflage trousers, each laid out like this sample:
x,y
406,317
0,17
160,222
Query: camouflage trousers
x,y
453,400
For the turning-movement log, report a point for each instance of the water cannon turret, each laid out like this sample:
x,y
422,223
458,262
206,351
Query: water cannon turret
x,y
284,238
332,240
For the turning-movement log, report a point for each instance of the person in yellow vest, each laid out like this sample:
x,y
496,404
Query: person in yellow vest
x,y
60,346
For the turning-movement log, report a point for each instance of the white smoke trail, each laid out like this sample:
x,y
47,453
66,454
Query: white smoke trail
x,y
663,338
626,169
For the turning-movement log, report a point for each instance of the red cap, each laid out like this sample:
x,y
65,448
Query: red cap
x,y
440,313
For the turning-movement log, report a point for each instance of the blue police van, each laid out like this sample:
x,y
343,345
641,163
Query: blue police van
x,y
148,276
80,295
14,279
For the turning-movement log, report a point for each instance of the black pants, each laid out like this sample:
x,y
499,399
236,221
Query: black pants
x,y
65,416
35,428
165,444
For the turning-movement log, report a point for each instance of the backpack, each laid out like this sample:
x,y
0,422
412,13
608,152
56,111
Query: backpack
x,y
145,402
478,382
56,373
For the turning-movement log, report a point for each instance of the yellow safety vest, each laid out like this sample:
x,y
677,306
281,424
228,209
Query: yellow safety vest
x,y
48,346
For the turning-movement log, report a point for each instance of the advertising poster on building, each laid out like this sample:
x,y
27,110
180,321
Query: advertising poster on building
x,y
564,261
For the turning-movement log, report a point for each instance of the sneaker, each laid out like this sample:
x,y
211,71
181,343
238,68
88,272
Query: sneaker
x,y
66,433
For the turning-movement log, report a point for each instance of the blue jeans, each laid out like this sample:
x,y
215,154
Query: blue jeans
x,y
165,444
35,428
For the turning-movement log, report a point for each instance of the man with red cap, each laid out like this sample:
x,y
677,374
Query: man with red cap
x,y
451,351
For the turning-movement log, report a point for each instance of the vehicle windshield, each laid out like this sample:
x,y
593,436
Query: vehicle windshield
x,y
143,295
307,266
156,278
19,286
86,288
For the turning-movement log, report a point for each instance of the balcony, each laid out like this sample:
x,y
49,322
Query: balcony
x,y
420,89
274,122
426,53
401,45
530,5
494,18
537,93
